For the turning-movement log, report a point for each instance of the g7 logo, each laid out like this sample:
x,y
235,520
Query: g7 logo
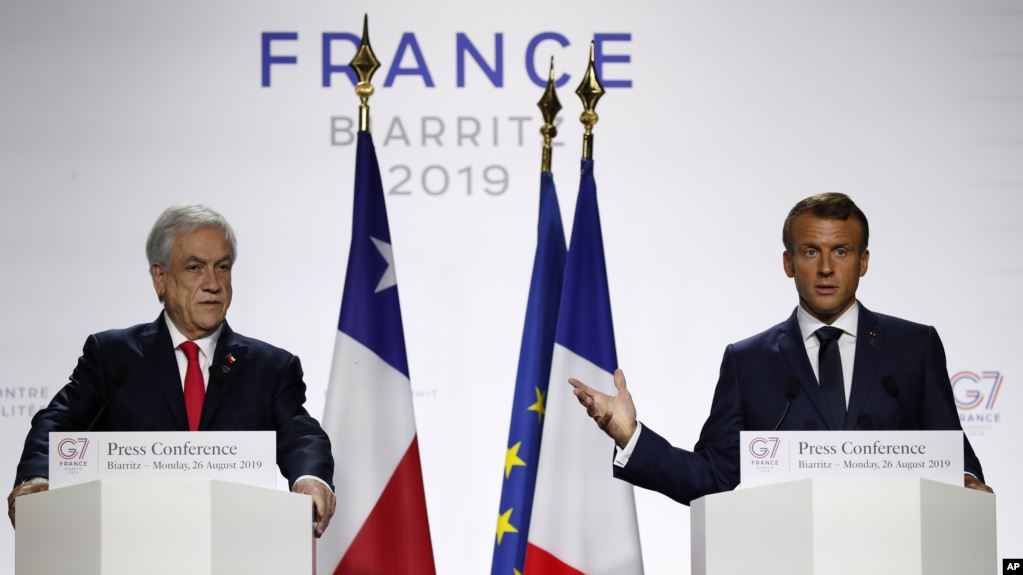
x,y
762,447
972,390
70,448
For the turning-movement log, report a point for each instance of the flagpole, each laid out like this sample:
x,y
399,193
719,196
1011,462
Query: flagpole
x,y
589,91
365,64
549,107
368,413
583,519
532,378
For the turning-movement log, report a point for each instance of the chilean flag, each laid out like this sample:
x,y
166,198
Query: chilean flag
x,y
584,520
381,525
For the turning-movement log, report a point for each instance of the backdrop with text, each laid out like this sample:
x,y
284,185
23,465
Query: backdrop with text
x,y
718,117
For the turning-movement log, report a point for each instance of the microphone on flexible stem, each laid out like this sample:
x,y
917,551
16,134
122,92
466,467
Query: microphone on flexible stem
x,y
892,389
791,392
216,383
102,410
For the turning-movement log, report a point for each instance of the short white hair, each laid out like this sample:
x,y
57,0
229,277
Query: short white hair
x,y
182,219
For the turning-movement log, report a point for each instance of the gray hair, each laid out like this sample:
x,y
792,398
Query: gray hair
x,y
182,219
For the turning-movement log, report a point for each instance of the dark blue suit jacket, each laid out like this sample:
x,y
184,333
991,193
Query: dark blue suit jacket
x,y
128,380
750,395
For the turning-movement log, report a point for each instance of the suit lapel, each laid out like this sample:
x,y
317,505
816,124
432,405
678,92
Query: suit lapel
x,y
869,340
163,370
223,366
790,342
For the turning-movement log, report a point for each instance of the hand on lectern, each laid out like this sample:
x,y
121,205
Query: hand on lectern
x,y
323,501
32,485
972,482
616,415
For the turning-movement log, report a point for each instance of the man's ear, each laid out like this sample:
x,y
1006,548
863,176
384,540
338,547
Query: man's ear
x,y
790,268
864,259
159,280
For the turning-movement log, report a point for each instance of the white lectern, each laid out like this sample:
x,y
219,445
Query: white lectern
x,y
845,527
200,527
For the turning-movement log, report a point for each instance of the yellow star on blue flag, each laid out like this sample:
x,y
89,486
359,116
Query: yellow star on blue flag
x,y
538,406
512,459
504,525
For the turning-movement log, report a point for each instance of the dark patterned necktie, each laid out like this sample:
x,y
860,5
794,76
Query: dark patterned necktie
x,y
829,368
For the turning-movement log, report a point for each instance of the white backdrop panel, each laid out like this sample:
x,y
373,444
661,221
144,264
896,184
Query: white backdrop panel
x,y
112,110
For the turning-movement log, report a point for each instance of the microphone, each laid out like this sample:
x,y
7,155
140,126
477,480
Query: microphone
x,y
791,392
215,383
892,389
102,409
99,413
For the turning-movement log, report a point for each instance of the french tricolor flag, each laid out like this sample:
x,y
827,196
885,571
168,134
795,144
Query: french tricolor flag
x,y
584,520
381,525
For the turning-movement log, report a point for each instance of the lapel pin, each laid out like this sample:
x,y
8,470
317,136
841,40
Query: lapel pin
x,y
872,339
230,358
226,369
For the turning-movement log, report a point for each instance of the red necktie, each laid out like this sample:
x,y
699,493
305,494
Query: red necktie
x,y
195,389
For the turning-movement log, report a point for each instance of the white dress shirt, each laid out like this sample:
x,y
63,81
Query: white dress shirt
x,y
207,345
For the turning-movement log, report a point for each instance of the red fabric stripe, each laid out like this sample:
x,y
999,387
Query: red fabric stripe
x,y
540,562
395,539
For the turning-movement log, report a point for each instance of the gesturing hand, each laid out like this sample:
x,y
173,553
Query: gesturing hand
x,y
616,415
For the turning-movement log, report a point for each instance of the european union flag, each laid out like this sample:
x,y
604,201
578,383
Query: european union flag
x,y
528,407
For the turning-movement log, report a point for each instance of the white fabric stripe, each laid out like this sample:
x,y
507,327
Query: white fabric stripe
x,y
368,416
581,513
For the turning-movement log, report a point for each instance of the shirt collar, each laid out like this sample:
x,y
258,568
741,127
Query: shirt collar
x,y
846,322
207,345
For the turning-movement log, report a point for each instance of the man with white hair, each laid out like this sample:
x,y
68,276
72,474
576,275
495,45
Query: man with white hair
x,y
188,370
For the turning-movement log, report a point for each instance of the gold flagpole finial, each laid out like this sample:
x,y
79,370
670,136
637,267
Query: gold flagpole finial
x,y
549,108
589,91
365,64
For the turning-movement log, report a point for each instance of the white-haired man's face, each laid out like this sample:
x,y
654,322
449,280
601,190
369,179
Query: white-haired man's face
x,y
196,286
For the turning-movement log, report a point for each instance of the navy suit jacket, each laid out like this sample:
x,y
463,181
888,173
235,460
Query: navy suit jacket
x,y
750,395
128,380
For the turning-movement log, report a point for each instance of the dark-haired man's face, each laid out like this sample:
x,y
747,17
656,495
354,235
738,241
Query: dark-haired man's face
x,y
827,263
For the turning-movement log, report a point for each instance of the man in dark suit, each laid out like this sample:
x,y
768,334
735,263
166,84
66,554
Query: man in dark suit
x,y
188,370
843,366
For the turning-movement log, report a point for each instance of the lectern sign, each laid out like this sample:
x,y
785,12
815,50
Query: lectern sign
x,y
246,457
768,457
